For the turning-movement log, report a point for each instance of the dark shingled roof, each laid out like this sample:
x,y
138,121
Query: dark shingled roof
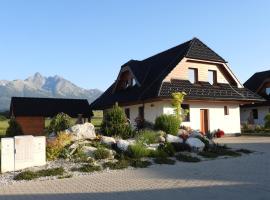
x,y
49,107
152,71
256,80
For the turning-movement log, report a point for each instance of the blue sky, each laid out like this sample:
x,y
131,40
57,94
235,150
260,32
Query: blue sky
x,y
87,41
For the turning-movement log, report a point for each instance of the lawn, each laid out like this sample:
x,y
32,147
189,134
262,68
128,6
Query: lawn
x,y
3,127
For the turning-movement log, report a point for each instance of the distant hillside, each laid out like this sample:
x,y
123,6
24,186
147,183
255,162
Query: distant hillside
x,y
40,86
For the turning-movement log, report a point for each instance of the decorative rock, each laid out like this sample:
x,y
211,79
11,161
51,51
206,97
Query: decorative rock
x,y
107,140
195,134
89,150
122,145
173,139
153,146
82,131
195,143
161,139
182,132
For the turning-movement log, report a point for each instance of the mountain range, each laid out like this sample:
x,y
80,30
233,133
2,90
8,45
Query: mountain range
x,y
41,86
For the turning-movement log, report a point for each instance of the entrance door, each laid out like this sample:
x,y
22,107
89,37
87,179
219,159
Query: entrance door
x,y
204,121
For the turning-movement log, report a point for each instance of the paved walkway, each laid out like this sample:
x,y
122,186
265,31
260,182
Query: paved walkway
x,y
246,177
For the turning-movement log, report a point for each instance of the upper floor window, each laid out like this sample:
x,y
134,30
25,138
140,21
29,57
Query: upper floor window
x,y
212,77
193,75
255,113
267,91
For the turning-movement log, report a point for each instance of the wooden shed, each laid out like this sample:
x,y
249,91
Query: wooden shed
x,y
31,113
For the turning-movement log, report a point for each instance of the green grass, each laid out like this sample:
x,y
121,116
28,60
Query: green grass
x,y
163,160
87,168
3,127
121,164
140,163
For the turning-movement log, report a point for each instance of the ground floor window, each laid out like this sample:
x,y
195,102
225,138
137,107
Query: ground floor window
x,y
226,110
185,112
141,112
255,113
127,112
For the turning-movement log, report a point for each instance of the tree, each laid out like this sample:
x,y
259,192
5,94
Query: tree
x,y
14,128
177,100
59,123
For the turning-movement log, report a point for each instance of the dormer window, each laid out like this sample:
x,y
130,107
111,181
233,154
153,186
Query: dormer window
x,y
267,90
193,75
212,77
125,80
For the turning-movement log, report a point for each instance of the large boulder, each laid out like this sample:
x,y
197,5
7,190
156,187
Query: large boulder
x,y
195,134
173,139
195,144
122,145
107,140
82,131
89,150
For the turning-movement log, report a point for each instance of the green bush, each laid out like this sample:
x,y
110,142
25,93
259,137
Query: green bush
x,y
101,153
14,128
187,158
267,121
167,123
26,175
30,175
121,164
147,136
115,123
137,163
167,148
87,168
138,150
59,123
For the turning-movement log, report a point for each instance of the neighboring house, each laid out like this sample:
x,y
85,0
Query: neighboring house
x,y
144,88
255,113
30,113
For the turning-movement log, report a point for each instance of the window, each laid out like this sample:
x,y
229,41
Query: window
x,y
212,77
255,113
141,112
185,112
226,110
267,91
193,75
127,112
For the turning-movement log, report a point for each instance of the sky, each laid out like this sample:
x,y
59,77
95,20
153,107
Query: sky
x,y
86,41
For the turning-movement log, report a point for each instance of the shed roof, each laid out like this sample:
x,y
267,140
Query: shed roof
x,y
49,107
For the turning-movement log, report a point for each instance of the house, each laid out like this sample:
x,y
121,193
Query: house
x,y
254,113
143,88
30,113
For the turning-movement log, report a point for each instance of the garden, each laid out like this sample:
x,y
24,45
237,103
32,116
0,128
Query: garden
x,y
74,150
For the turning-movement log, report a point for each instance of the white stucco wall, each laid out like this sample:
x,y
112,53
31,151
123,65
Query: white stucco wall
x,y
262,111
230,124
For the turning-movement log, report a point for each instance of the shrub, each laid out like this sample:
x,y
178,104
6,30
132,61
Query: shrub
x,y
168,124
101,153
51,172
14,128
59,123
138,150
167,148
55,148
121,164
178,147
2,118
187,158
219,150
208,154
115,123
143,124
267,121
26,175
87,168
29,175
147,136
80,157
140,163
166,161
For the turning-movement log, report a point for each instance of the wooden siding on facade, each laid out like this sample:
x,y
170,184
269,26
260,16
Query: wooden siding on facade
x,y
32,125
